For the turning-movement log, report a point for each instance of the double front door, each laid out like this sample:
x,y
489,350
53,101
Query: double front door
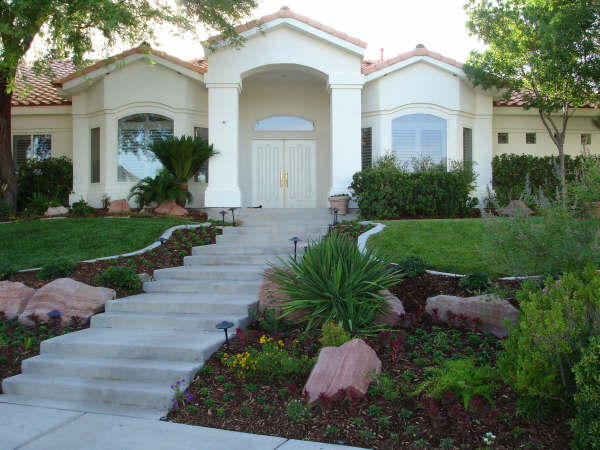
x,y
284,173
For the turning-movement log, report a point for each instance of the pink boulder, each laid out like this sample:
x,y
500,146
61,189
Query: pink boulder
x,y
350,366
516,208
72,298
119,206
487,311
270,297
395,310
172,208
14,297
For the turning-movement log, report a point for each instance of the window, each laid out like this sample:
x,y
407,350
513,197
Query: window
x,y
419,136
202,176
366,147
530,138
26,146
467,145
95,155
586,139
135,134
284,123
502,138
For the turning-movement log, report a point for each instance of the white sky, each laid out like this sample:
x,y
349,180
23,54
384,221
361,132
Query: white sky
x,y
396,26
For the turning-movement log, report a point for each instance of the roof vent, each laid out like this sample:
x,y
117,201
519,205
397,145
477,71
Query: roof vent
x,y
420,46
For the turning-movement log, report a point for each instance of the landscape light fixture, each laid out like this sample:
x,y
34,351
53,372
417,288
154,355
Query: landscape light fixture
x,y
163,250
224,326
55,315
295,240
223,215
335,216
232,216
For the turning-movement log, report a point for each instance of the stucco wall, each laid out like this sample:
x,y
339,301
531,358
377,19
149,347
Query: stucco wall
x,y
517,122
53,120
308,99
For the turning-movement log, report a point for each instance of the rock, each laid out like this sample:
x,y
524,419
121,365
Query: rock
x,y
395,311
269,297
56,211
144,277
172,208
14,297
72,298
516,208
487,310
350,366
119,206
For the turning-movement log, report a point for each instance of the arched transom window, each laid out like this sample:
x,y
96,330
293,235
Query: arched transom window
x,y
135,134
419,136
284,123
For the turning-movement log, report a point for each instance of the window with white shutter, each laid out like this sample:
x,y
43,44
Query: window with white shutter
x,y
135,134
95,155
467,145
419,136
27,146
366,147
202,176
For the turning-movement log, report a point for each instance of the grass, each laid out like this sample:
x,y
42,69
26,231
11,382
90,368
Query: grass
x,y
34,243
447,245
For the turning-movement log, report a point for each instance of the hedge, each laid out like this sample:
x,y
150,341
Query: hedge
x,y
388,192
509,174
51,177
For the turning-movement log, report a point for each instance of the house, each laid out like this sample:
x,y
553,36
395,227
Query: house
x,y
293,113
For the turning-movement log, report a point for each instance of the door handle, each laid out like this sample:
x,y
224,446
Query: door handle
x,y
281,180
286,180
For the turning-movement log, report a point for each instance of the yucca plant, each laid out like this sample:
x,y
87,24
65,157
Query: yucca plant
x,y
182,156
162,187
335,282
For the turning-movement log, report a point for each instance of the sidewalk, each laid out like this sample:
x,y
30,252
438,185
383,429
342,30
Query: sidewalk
x,y
33,427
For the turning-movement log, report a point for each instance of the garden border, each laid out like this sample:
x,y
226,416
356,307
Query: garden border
x,y
364,237
166,235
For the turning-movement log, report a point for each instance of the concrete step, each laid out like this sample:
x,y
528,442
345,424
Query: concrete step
x,y
217,287
158,321
225,260
212,273
183,303
151,371
92,390
233,248
168,345
284,230
266,238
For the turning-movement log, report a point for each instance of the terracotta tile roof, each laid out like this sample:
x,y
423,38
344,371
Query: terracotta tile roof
x,y
419,50
516,99
285,13
33,89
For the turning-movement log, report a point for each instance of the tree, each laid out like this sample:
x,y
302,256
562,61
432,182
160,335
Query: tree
x,y
69,28
549,50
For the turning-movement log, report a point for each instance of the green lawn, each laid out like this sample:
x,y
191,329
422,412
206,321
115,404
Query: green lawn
x,y
448,245
34,243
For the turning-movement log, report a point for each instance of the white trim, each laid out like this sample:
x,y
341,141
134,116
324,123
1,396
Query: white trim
x,y
413,60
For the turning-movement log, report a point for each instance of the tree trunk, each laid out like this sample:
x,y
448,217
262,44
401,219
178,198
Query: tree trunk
x,y
8,180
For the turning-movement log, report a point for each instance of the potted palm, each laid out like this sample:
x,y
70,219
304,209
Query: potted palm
x,y
183,157
339,201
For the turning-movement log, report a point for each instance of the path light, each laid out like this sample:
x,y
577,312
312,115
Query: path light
x,y
335,216
224,326
223,215
55,314
232,215
163,250
295,240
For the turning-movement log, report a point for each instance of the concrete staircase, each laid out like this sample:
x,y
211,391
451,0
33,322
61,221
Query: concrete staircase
x,y
126,361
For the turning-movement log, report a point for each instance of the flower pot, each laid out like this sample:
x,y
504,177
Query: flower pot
x,y
340,202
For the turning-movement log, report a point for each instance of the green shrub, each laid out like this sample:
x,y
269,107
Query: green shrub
x,y
38,204
6,211
463,378
475,282
81,209
388,192
333,335
162,187
412,266
119,277
298,411
6,271
554,325
61,267
586,424
51,177
335,282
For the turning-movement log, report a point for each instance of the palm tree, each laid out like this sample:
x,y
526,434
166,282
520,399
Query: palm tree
x,y
158,189
182,156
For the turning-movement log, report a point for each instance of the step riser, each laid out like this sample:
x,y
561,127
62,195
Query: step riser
x,y
198,322
280,231
201,275
105,372
171,286
243,250
88,394
224,260
266,238
179,308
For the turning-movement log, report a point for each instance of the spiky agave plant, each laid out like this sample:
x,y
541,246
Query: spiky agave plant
x,y
335,282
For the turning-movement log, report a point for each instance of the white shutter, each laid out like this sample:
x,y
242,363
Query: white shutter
x,y
21,148
419,136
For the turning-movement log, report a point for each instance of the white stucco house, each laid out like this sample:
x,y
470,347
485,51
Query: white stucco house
x,y
293,113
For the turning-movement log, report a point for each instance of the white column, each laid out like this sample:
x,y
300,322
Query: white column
x,y
81,159
345,135
223,188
